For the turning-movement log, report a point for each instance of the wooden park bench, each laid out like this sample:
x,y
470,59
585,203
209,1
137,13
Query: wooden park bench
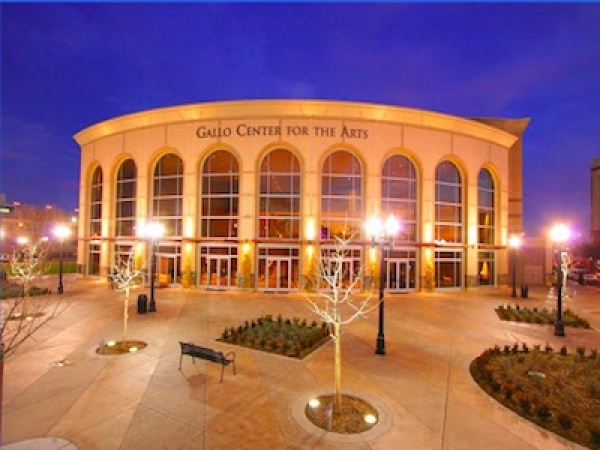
x,y
196,351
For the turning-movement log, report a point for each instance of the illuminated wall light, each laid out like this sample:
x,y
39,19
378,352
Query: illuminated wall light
x,y
472,235
246,248
310,228
189,227
429,254
140,229
314,403
188,247
428,232
310,251
373,255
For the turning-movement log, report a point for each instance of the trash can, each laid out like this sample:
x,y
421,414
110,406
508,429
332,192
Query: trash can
x,y
142,304
524,291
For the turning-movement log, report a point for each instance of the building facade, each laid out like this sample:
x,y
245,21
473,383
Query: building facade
x,y
252,194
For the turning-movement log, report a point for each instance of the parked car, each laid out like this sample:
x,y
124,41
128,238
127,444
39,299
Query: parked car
x,y
591,278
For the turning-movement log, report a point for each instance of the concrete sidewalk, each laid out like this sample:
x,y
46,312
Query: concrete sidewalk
x,y
142,401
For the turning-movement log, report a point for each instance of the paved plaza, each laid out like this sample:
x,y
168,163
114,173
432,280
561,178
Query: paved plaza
x,y
144,402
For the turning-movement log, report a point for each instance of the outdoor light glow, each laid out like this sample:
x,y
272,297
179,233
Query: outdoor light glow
x,y
111,343
392,225
314,403
246,248
62,231
560,233
133,349
29,318
514,241
154,230
370,419
374,227
22,240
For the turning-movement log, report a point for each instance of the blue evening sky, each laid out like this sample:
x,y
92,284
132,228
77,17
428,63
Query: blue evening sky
x,y
68,66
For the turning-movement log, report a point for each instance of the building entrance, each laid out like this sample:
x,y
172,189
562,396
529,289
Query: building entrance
x,y
278,269
399,275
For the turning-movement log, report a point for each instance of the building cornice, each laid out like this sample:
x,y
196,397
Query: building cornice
x,y
295,109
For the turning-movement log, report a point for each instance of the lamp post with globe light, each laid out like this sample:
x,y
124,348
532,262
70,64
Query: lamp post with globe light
x,y
154,231
514,243
559,234
61,232
382,234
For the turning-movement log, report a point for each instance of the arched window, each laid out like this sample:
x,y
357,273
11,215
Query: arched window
x,y
220,195
167,203
399,194
448,203
96,203
95,222
485,207
125,199
279,199
341,195
486,222
448,225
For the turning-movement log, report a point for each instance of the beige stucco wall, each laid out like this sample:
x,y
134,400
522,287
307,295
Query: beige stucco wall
x,y
378,131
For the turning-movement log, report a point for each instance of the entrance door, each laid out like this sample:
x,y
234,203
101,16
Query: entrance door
x,y
398,279
278,274
167,269
218,272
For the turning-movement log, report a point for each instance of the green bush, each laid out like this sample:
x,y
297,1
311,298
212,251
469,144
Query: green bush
x,y
289,337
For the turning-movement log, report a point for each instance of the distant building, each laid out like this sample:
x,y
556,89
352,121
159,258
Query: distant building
x,y
595,198
253,193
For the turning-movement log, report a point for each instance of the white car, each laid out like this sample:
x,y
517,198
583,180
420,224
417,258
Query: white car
x,y
591,278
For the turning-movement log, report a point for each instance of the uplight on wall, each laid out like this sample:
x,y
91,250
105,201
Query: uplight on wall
x,y
310,228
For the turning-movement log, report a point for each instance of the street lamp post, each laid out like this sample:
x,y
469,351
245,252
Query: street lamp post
x,y
154,231
559,234
385,233
61,232
514,243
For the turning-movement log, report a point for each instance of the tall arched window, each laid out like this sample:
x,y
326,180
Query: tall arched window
x,y
167,203
220,195
448,203
125,199
96,203
486,222
95,222
399,197
448,225
399,194
341,195
279,200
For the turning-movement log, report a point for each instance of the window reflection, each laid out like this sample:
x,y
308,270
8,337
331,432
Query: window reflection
x,y
399,194
126,198
167,204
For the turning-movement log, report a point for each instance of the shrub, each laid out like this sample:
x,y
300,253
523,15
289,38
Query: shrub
x,y
565,421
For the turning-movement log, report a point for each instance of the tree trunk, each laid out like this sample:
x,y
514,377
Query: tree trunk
x,y
125,318
337,366
25,299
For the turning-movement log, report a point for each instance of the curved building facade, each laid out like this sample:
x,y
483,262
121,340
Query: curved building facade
x,y
252,194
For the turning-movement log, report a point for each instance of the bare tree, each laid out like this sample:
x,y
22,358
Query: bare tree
x,y
337,305
27,264
125,278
